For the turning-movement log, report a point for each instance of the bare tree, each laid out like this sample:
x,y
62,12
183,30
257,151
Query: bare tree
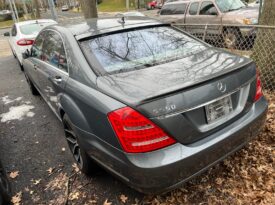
x,y
89,8
37,8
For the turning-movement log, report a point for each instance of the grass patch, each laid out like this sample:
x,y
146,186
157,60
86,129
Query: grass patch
x,y
4,24
114,5
9,23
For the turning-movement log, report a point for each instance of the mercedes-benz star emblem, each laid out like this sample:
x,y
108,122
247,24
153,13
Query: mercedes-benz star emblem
x,y
221,87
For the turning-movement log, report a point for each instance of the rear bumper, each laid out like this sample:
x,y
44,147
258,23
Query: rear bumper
x,y
166,169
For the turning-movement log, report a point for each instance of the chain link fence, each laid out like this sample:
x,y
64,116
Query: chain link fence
x,y
255,42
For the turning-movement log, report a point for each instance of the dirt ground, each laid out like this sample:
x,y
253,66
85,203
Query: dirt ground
x,y
41,169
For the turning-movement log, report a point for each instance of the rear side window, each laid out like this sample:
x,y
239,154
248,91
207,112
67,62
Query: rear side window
x,y
193,10
54,51
208,8
138,49
172,9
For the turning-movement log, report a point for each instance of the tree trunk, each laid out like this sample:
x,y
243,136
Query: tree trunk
x,y
37,11
89,8
264,49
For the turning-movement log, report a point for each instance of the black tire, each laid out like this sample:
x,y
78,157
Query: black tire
x,y
83,161
5,189
232,38
21,66
33,89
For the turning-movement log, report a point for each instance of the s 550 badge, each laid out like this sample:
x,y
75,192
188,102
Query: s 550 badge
x,y
164,110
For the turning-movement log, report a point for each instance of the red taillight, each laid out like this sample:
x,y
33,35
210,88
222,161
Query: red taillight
x,y
136,133
24,42
259,93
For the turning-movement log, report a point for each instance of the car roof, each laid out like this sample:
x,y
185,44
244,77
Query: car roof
x,y
179,1
35,21
90,27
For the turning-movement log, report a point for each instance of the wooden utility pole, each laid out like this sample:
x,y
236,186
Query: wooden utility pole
x,y
89,8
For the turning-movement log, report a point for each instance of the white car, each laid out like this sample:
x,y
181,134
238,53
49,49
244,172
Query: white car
x,y
65,8
23,34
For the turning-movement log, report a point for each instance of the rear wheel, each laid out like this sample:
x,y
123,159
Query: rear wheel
x,y
33,89
5,189
231,38
21,66
84,162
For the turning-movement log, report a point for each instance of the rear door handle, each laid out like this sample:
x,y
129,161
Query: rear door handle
x,y
57,79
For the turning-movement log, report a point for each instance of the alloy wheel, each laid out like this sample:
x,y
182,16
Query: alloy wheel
x,y
230,40
73,144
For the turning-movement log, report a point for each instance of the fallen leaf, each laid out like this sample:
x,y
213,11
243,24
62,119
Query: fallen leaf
x,y
50,170
123,198
13,175
76,169
219,181
107,203
36,181
17,198
74,195
91,202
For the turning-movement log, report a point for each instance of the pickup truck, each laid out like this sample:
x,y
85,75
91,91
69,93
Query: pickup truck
x,y
217,13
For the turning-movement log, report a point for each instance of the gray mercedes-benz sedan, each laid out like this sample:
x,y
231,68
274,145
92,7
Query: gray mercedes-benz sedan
x,y
148,102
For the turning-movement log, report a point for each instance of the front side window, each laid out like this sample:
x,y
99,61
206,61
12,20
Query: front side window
x,y
173,9
36,50
208,8
194,8
54,52
139,49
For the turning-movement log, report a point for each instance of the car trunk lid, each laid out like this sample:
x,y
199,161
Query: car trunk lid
x,y
175,95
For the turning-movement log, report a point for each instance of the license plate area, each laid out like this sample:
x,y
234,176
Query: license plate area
x,y
219,109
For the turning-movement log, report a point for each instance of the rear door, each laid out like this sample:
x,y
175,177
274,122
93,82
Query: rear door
x,y
34,62
53,72
208,14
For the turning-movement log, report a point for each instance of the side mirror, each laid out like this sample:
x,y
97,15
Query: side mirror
x,y
7,34
26,54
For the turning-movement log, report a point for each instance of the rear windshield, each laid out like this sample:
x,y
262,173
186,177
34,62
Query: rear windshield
x,y
30,29
139,49
173,9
